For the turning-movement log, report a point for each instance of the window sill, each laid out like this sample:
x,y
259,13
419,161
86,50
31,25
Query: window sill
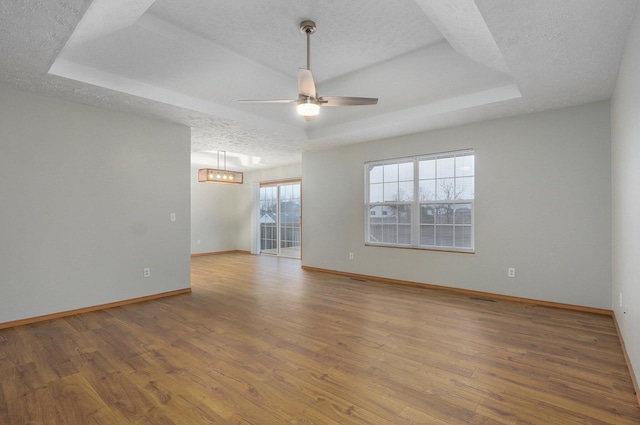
x,y
444,249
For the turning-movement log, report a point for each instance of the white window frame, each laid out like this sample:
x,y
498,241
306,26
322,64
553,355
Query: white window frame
x,y
415,204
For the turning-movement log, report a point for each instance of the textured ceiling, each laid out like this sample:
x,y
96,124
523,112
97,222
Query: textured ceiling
x,y
432,63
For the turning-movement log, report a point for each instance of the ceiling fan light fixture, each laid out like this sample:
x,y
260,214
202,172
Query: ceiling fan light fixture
x,y
308,107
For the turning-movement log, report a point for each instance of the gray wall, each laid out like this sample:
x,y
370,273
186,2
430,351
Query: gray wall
x,y
85,201
543,184
625,138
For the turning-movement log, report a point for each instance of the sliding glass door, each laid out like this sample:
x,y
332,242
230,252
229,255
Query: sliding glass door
x,y
280,229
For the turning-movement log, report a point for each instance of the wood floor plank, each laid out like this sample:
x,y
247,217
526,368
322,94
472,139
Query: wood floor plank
x,y
14,348
35,407
78,401
4,408
261,341
21,379
127,402
189,398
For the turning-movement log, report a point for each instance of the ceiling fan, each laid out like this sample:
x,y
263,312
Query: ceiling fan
x,y
308,102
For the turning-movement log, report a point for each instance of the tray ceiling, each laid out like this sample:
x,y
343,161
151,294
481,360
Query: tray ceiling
x,y
431,63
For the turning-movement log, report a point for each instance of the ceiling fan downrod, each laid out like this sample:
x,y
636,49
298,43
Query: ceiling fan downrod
x,y
308,28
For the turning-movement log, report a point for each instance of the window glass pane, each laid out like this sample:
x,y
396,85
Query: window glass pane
x,y
375,233
391,173
465,165
444,214
464,188
405,191
375,192
427,169
375,174
427,214
445,167
445,189
444,235
391,192
390,214
427,235
463,236
463,214
427,190
404,234
405,170
375,214
404,214
267,203
390,233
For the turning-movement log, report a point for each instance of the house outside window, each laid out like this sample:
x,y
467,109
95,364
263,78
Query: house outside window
x,y
423,201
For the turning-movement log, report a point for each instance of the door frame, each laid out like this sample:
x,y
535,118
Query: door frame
x,y
278,184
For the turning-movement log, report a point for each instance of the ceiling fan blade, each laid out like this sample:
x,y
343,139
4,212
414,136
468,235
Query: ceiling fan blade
x,y
347,101
268,101
306,85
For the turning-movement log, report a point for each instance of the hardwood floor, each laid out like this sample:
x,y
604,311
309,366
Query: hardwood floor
x,y
260,341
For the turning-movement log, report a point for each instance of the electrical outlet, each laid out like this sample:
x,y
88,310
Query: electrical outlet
x,y
620,299
172,216
511,272
146,272
351,256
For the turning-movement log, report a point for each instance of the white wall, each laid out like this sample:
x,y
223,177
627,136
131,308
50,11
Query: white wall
x,y
543,185
85,200
214,219
625,139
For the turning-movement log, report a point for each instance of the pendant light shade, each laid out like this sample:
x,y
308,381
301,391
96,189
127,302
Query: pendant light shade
x,y
218,175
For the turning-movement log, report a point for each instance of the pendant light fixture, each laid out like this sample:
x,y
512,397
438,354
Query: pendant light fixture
x,y
218,175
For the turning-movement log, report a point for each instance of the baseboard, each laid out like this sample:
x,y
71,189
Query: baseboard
x,y
233,251
68,313
466,291
627,359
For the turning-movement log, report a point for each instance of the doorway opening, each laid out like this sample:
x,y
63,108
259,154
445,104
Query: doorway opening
x,y
280,218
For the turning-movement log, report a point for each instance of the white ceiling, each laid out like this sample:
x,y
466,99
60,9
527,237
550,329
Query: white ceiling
x,y
432,63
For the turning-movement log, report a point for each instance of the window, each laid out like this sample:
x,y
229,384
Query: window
x,y
421,202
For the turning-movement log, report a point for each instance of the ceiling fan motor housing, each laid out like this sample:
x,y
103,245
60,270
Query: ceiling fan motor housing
x,y
307,27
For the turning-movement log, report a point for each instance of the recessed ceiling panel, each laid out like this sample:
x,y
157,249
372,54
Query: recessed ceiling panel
x,y
424,76
351,34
